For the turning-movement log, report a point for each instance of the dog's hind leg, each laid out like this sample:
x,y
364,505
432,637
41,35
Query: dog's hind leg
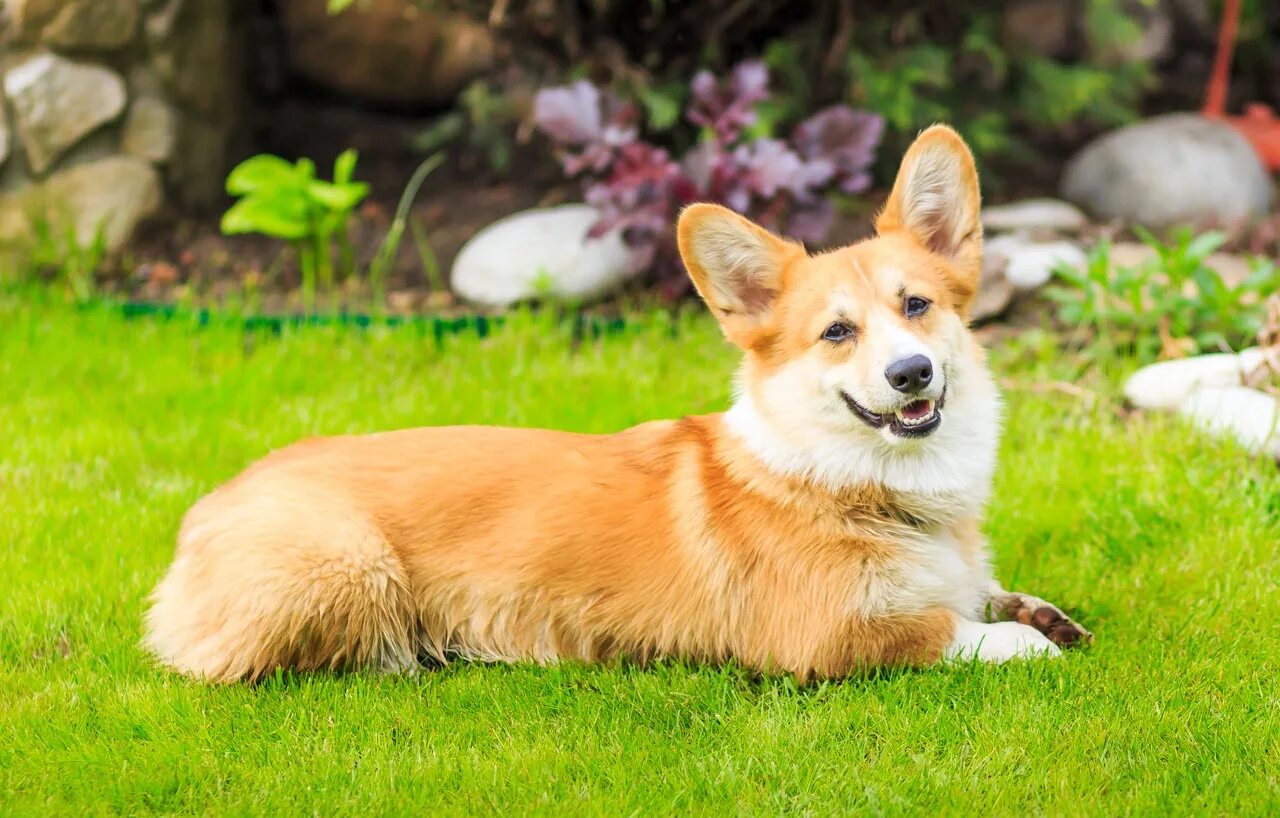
x,y
265,582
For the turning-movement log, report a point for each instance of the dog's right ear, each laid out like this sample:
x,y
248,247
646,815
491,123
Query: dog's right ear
x,y
736,266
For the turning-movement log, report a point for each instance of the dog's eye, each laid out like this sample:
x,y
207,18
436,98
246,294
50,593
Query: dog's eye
x,y
839,331
915,305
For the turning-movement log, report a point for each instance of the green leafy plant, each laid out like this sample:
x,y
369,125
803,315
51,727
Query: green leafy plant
x,y
287,201
1171,304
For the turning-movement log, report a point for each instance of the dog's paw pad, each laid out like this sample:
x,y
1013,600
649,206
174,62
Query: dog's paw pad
x,y
1053,623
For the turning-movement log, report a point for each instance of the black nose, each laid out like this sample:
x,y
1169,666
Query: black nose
x,y
910,374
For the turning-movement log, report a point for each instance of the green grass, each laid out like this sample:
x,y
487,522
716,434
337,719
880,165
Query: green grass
x,y
1160,541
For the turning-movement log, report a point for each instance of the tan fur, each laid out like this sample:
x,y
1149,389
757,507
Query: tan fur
x,y
672,538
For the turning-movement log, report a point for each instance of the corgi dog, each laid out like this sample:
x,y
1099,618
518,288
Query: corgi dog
x,y
827,523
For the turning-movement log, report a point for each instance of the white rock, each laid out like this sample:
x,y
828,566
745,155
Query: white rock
x,y
1253,358
1167,170
1034,214
1032,265
1167,384
1248,415
542,252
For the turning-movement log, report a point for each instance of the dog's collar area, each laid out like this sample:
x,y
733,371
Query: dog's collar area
x,y
896,426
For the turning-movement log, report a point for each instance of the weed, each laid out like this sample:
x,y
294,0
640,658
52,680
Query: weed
x,y
52,251
391,242
1171,305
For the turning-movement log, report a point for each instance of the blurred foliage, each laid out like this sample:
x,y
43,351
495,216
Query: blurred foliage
x,y
913,63
1171,305
1256,67
482,126
954,64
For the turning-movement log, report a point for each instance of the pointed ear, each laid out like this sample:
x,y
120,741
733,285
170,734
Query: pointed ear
x,y
736,266
936,200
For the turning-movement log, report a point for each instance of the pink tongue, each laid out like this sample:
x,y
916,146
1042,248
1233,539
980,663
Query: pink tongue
x,y
917,409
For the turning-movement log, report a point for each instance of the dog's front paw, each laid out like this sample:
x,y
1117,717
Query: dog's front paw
x,y
1046,618
998,642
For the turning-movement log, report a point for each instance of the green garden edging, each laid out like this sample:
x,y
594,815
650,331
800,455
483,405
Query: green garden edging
x,y
584,326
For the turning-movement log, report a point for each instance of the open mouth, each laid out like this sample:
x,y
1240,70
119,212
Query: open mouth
x,y
920,418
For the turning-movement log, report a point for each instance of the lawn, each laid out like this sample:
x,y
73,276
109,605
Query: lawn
x,y
1162,542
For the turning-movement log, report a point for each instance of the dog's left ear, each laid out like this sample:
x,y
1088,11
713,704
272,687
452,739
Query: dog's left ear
x,y
936,200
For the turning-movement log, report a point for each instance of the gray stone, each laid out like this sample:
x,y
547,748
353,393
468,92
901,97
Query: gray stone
x,y
26,19
112,195
184,39
1034,214
537,253
143,81
58,102
390,51
1173,169
1032,266
1167,385
1249,416
995,293
1027,264
198,168
149,130
100,25
4,134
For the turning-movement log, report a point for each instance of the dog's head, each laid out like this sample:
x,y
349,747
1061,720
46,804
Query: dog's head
x,y
868,342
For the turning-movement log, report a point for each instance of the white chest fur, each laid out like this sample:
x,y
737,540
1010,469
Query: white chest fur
x,y
932,569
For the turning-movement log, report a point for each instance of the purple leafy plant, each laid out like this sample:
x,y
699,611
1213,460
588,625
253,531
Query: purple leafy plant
x,y
639,187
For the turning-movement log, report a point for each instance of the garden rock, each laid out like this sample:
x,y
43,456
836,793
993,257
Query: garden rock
x,y
1173,169
1248,415
93,25
149,130
1168,384
995,293
4,134
540,252
1028,265
113,195
58,102
390,51
1033,215
26,18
